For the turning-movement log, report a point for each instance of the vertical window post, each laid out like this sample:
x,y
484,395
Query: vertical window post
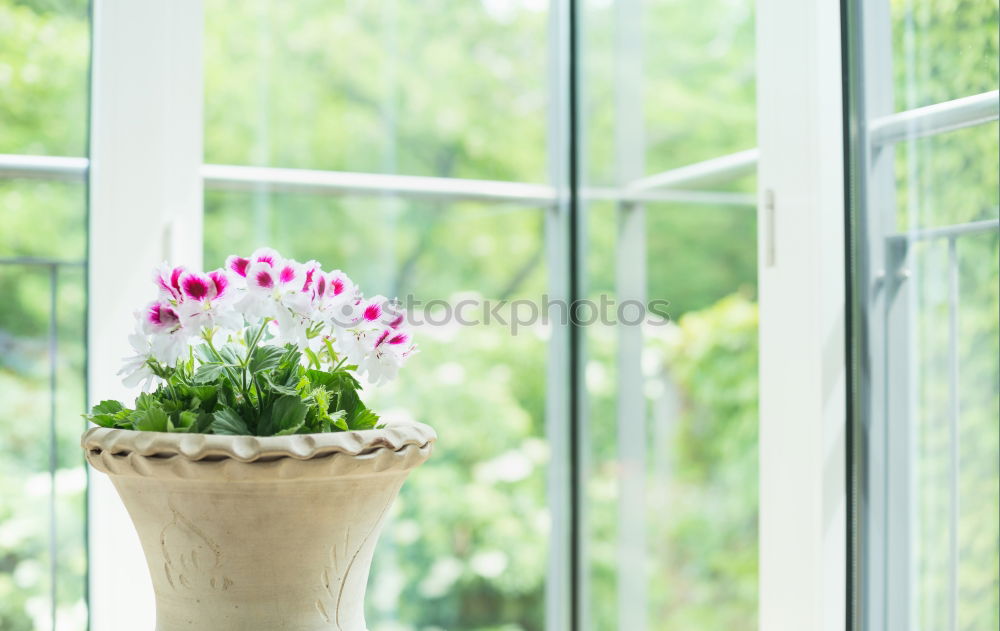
x,y
145,207
630,287
802,317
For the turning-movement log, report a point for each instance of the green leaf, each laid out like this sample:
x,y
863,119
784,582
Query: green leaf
x,y
208,372
313,358
187,419
287,413
109,414
203,424
145,401
107,406
153,419
104,420
362,418
228,422
205,354
252,333
206,395
333,380
232,354
339,419
278,388
264,358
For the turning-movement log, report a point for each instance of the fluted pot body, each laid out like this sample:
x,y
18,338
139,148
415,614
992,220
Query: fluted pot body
x,y
243,533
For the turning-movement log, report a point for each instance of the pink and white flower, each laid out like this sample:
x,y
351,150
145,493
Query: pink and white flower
x,y
359,326
167,279
376,340
301,304
208,301
269,284
390,351
333,298
160,317
167,337
238,266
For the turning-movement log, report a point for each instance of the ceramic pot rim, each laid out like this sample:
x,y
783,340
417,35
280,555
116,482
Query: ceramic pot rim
x,y
99,441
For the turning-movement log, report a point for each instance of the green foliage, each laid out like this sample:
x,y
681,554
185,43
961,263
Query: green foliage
x,y
259,390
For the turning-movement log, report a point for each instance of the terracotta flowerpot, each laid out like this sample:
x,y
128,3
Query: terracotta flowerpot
x,y
243,533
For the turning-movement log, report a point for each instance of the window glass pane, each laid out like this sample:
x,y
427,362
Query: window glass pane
x,y
925,232
942,50
451,89
45,47
466,546
44,59
671,413
697,82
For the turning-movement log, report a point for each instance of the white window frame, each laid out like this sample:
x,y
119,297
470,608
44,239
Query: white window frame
x,y
803,429
145,188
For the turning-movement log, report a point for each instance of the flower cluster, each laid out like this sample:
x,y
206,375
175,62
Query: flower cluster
x,y
286,302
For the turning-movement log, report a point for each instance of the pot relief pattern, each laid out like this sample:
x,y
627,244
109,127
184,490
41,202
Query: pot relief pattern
x,y
191,559
343,556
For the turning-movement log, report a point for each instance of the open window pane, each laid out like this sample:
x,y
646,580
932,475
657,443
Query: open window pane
x,y
926,233
466,546
44,77
442,88
44,57
670,447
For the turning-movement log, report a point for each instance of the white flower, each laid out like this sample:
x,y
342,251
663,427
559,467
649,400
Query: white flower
x,y
136,368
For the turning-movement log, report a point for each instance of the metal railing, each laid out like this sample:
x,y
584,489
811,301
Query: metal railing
x,y
672,186
53,267
935,119
676,185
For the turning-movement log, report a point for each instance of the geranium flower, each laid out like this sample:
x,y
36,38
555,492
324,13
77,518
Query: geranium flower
x,y
167,279
359,326
238,266
167,335
208,301
334,296
391,349
136,369
300,304
268,284
160,317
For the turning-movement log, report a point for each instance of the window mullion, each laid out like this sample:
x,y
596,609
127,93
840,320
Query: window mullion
x,y
145,190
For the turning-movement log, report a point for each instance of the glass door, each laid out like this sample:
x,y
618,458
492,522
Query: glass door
x,y
924,317
428,153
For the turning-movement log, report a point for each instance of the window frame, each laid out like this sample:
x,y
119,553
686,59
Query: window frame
x,y
145,189
802,575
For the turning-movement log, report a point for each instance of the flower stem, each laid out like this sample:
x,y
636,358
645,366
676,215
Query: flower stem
x,y
232,377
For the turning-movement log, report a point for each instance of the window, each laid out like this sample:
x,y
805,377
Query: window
x,y
669,462
433,98
925,278
418,100
44,58
467,154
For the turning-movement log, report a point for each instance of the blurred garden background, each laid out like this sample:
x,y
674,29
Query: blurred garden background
x,y
461,90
